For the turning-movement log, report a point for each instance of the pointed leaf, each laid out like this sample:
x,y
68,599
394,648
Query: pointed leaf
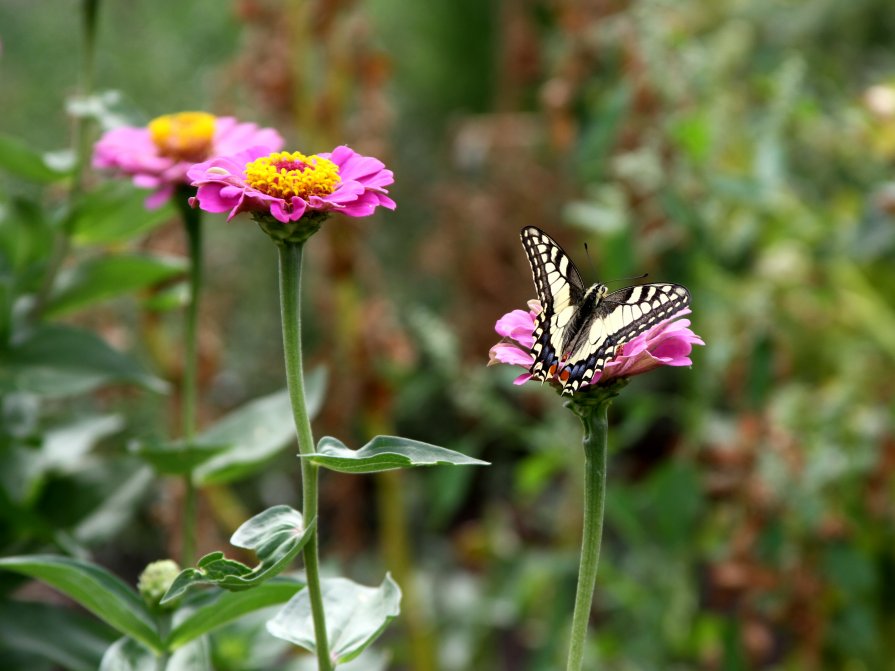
x,y
20,160
92,586
255,433
115,212
105,277
78,641
276,535
174,457
385,453
56,361
221,608
355,616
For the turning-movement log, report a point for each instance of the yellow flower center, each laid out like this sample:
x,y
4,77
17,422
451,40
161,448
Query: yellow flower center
x,y
286,174
185,136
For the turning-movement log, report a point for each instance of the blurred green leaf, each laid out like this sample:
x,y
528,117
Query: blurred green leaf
x,y
127,654
276,535
77,643
26,240
117,505
173,297
255,433
105,277
62,450
92,586
174,457
115,212
225,607
385,453
20,160
369,660
355,616
57,360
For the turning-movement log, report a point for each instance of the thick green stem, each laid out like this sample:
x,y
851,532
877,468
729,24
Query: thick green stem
x,y
594,418
192,222
290,312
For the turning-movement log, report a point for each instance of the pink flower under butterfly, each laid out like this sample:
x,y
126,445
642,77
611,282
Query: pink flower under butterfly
x,y
668,343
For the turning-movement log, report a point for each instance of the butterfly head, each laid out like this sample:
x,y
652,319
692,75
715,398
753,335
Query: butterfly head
x,y
597,291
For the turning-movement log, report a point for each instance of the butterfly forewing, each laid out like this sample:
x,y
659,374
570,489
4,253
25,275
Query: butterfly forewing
x,y
578,331
559,289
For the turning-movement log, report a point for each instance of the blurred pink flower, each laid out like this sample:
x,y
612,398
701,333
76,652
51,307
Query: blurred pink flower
x,y
289,185
668,343
159,154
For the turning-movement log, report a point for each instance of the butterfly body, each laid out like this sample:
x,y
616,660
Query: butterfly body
x,y
580,328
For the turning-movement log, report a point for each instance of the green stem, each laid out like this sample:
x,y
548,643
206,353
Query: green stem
x,y
163,623
594,418
290,312
192,222
80,144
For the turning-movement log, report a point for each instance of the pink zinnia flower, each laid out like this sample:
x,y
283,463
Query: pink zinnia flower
x,y
668,343
290,185
159,154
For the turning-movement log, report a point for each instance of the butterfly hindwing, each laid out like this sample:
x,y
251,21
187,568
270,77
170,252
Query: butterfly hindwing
x,y
580,328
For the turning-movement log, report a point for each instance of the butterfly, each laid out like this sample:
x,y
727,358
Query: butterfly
x,y
579,328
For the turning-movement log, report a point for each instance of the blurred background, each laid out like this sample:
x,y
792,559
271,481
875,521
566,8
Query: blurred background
x,y
744,149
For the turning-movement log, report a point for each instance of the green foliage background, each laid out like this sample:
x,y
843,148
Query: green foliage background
x,y
730,146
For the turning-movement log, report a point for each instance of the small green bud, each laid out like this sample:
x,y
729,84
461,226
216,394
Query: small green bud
x,y
156,579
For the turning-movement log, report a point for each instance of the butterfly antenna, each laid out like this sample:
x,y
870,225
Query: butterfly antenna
x,y
590,261
629,279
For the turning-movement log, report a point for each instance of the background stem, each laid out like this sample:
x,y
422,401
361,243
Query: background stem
x,y
290,312
81,146
192,222
594,418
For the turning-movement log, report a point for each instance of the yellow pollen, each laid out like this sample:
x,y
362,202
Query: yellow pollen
x,y
286,174
185,136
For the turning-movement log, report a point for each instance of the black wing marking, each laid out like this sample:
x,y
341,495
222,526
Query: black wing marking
x,y
577,331
560,291
617,319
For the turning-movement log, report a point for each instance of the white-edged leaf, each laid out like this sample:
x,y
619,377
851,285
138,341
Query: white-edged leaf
x,y
355,616
385,453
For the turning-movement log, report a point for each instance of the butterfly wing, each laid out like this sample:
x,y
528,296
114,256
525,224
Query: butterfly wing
x,y
617,319
560,291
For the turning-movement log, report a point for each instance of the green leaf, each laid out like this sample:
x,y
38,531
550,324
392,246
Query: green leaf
x,y
276,535
115,213
20,160
355,616
106,277
78,641
174,457
385,453
56,360
117,505
62,451
92,586
370,660
128,655
222,608
255,433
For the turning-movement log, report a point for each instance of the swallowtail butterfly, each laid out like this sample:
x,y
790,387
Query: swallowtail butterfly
x,y
579,328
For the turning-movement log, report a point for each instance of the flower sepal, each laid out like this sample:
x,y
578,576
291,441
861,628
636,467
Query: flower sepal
x,y
590,397
291,232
